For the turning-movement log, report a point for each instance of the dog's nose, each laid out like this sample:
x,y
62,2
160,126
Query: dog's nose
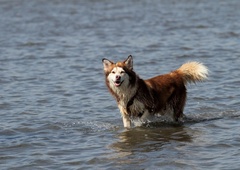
x,y
118,77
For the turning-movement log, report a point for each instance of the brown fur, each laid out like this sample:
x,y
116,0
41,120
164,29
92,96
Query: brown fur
x,y
168,90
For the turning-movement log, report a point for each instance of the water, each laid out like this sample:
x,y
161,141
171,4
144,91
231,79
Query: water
x,y
56,112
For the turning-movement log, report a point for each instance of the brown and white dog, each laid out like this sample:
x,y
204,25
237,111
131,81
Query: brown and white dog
x,y
142,101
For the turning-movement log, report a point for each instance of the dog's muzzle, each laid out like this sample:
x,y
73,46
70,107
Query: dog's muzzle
x,y
118,81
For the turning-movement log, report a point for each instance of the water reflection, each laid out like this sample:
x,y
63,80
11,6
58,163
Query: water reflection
x,y
145,139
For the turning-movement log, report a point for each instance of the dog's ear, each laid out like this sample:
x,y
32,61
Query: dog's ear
x,y
106,64
129,62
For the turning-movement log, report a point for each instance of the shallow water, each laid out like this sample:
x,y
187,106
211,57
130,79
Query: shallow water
x,y
56,112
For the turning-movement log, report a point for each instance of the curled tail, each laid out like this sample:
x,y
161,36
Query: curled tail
x,y
193,72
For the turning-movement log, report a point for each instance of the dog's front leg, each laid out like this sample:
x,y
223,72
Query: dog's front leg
x,y
125,117
126,121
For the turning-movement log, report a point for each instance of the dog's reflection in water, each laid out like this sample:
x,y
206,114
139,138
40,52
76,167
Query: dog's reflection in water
x,y
148,139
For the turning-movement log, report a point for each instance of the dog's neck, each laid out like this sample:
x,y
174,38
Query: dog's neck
x,y
128,95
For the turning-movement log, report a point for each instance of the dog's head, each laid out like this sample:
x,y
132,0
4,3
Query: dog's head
x,y
118,74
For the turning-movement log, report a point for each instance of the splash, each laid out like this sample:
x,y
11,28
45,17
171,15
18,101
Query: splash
x,y
89,126
196,118
186,119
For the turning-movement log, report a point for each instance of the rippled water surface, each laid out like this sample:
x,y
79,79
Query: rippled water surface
x,y
56,112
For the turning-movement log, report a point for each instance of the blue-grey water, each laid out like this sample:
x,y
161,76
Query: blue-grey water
x,y
56,113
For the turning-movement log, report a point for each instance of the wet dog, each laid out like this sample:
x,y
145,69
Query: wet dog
x,y
143,100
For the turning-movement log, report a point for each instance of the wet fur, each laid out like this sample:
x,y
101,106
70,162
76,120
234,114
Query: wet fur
x,y
142,99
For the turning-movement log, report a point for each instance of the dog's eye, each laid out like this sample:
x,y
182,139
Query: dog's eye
x,y
122,72
113,72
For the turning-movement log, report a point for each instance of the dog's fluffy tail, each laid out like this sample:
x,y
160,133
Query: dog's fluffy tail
x,y
193,72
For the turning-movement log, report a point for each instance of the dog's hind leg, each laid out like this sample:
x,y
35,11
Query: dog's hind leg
x,y
177,101
178,106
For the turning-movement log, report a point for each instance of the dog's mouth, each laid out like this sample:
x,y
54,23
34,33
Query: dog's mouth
x,y
118,83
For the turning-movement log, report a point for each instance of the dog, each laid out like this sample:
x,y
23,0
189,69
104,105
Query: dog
x,y
144,100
